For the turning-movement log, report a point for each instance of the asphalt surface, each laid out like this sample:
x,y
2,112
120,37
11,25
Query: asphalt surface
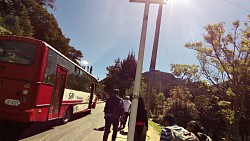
x,y
83,127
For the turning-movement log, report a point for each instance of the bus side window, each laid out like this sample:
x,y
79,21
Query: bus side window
x,y
50,69
75,69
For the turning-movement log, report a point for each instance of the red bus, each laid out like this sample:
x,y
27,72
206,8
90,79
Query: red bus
x,y
38,83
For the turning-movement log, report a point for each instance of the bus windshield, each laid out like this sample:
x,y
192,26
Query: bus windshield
x,y
17,52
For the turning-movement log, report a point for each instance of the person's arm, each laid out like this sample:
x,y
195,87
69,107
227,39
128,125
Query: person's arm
x,y
146,117
105,108
146,123
129,108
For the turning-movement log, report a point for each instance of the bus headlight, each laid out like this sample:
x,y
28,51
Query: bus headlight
x,y
25,92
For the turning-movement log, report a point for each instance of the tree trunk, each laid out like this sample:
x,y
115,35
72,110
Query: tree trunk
x,y
234,132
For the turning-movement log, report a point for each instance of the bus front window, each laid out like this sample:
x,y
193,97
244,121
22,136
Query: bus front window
x,y
17,52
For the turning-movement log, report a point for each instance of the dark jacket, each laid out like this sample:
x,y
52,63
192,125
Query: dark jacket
x,y
142,112
113,107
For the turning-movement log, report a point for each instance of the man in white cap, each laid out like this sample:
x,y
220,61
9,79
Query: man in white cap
x,y
127,106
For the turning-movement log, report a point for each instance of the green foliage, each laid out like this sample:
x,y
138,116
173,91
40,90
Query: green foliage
x,y
142,92
12,23
159,101
228,115
160,98
19,25
121,75
224,62
46,3
4,31
211,117
189,73
201,102
74,54
179,104
30,17
26,29
226,112
224,103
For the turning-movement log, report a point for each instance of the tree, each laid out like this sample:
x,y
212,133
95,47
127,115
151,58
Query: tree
x,y
25,23
205,100
74,54
46,3
180,105
189,73
159,100
121,74
19,24
142,91
127,73
225,63
30,17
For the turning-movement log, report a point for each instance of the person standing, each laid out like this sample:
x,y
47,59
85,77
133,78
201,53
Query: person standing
x,y
127,106
113,110
141,122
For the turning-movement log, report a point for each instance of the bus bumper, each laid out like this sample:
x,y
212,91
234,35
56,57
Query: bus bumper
x,y
17,115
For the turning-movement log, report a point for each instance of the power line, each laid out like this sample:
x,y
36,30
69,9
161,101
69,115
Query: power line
x,y
237,6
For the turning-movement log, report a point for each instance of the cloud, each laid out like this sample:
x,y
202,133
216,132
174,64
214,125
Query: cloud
x,y
84,62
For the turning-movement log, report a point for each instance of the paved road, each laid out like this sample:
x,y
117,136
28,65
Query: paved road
x,y
80,129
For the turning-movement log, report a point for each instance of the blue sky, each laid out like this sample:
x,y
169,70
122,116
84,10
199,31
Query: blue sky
x,y
107,29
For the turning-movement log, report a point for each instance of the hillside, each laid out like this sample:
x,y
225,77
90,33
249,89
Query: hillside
x,y
163,82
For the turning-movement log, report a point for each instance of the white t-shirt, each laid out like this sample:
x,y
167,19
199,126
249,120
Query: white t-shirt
x,y
126,104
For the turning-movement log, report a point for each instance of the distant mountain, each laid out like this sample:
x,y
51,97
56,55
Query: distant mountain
x,y
163,81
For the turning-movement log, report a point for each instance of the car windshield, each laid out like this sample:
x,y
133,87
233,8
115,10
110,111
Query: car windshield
x,y
17,52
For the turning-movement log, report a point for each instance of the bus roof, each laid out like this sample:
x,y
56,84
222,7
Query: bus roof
x,y
49,46
68,59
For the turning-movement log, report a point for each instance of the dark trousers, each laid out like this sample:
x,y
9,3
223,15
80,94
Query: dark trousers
x,y
139,136
124,120
108,122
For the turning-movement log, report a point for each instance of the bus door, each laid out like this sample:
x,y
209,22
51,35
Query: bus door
x,y
57,94
91,96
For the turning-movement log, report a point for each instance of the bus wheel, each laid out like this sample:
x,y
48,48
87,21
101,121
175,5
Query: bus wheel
x,y
67,115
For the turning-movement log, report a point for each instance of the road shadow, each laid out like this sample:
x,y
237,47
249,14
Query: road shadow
x,y
103,128
100,128
13,131
122,132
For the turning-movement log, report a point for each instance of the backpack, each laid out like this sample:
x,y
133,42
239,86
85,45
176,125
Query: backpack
x,y
114,107
181,134
120,108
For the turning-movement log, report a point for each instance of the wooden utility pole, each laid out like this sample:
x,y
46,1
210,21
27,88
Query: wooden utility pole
x,y
138,74
153,60
134,105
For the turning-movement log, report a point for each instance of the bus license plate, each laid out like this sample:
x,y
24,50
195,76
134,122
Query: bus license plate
x,y
12,102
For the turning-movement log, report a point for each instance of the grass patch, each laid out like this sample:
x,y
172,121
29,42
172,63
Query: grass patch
x,y
155,125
